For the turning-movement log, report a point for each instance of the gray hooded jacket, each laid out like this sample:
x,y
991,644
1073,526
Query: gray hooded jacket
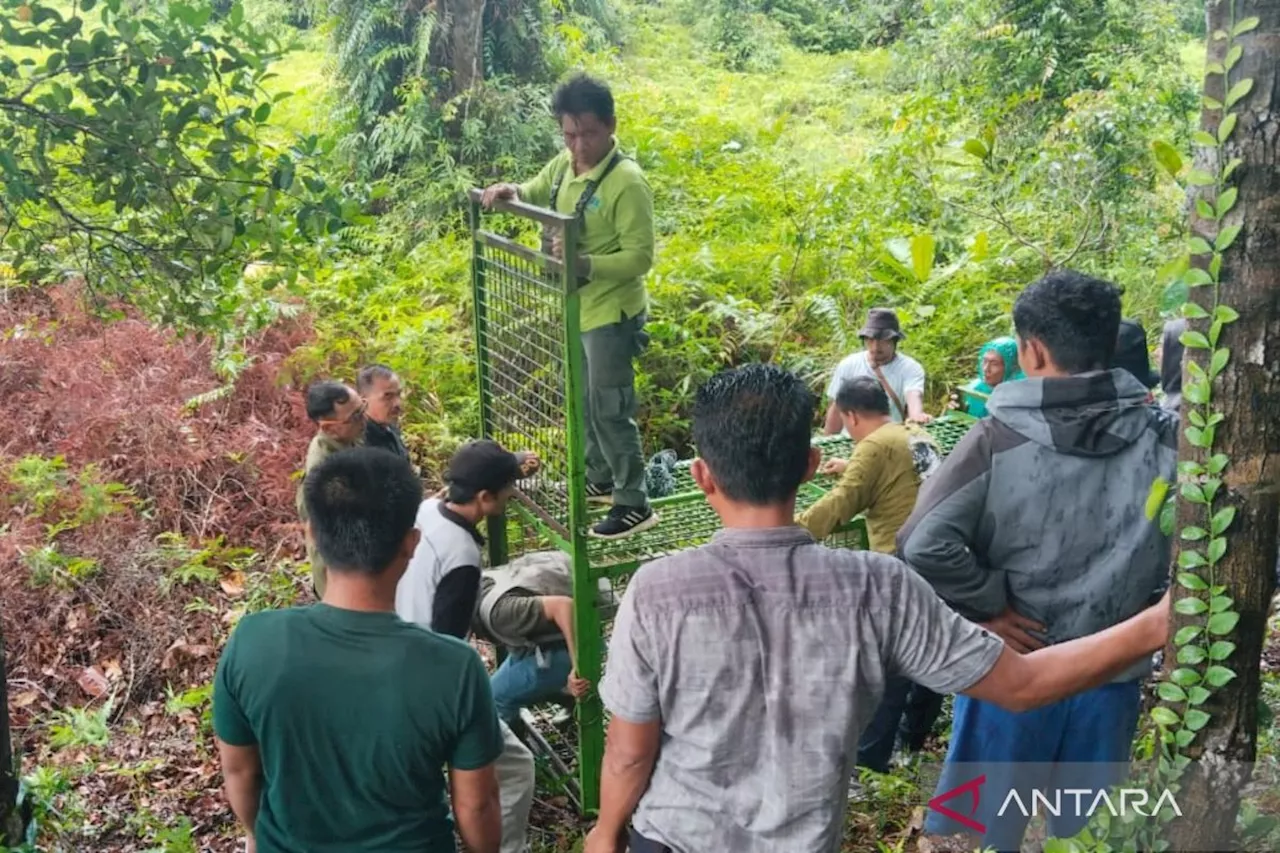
x,y
1041,507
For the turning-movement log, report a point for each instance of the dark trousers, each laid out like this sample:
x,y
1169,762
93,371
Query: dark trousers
x,y
639,844
613,451
907,710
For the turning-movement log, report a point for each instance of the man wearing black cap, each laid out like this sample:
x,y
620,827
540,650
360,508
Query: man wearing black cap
x,y
440,588
901,376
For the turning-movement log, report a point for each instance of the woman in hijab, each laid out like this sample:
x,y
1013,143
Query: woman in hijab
x,y
997,362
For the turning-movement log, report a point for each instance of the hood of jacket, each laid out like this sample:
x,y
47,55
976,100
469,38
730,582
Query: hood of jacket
x,y
1088,414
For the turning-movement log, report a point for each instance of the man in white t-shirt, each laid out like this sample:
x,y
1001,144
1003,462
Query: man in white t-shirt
x,y
901,376
441,586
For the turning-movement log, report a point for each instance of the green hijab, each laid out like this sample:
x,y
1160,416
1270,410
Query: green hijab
x,y
977,391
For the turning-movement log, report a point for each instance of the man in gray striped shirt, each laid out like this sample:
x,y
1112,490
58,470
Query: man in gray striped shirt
x,y
740,674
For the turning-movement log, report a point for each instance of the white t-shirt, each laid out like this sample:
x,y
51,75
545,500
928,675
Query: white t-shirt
x,y
444,546
904,375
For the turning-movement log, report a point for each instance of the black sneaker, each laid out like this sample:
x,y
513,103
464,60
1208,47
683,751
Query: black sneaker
x,y
597,493
623,521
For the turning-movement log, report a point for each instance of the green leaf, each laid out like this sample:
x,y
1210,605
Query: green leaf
x,y
1194,534
978,148
1249,23
1222,520
1195,719
1164,716
1211,486
1231,167
1191,560
1217,547
1220,603
262,113
1200,178
1201,137
1191,655
1199,246
1221,35
1184,737
1155,497
1211,103
1191,581
1192,310
1227,200
922,249
1217,676
1170,692
1205,209
1186,634
1215,68
1184,677
1196,277
1218,361
1221,649
1166,155
1215,333
1195,394
1228,125
1215,267
1226,237
1193,492
1233,56
1218,463
1195,340
1190,606
1238,91
1198,695
1225,314
1176,294
1223,623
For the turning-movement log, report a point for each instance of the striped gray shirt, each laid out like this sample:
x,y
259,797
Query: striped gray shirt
x,y
764,655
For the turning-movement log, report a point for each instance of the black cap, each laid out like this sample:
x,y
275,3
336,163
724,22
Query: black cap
x,y
1131,353
483,466
882,323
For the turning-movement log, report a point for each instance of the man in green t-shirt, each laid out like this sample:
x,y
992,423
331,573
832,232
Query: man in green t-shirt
x,y
334,722
611,199
339,414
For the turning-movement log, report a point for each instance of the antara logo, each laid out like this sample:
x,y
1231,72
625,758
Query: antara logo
x,y
1081,801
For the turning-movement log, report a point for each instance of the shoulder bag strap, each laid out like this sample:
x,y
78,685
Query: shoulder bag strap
x,y
884,383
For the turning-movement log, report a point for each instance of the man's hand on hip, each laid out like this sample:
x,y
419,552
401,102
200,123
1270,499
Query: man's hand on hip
x,y
1013,629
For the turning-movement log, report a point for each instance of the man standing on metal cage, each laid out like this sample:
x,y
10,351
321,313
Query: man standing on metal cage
x,y
607,193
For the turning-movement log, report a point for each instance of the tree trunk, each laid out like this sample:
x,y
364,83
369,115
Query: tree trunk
x,y
466,37
11,823
1247,392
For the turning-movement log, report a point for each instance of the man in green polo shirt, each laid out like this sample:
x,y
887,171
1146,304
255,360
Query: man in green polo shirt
x,y
609,195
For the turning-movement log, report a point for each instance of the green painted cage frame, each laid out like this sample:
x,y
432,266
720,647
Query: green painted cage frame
x,y
530,376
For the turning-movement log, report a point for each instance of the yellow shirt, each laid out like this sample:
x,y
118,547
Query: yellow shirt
x,y
880,482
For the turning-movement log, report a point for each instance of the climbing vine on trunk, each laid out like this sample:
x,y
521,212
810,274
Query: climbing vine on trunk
x,y
1203,662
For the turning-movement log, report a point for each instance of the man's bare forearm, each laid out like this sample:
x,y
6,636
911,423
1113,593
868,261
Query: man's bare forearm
x,y
244,791
622,782
481,827
833,423
1062,670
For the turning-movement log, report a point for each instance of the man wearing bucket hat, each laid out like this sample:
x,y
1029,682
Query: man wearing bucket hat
x,y
901,376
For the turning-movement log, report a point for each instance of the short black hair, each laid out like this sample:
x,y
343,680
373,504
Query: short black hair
x,y
371,374
752,425
862,394
480,466
361,504
323,397
581,94
1075,316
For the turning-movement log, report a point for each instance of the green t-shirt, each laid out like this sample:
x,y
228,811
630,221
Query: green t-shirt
x,y
618,236
355,715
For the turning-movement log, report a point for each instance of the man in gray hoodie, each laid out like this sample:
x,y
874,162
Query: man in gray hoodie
x,y
1035,527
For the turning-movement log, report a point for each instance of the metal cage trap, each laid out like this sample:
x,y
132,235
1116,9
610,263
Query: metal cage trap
x,y
530,374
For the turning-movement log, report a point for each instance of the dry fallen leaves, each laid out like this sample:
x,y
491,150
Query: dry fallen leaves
x,y
93,682
233,583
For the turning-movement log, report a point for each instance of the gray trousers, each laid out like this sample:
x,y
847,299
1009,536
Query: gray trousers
x,y
613,448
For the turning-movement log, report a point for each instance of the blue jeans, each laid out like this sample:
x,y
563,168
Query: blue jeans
x,y
907,711
520,682
1091,728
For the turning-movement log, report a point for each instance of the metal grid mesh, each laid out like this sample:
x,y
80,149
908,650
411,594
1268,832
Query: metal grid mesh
x,y
521,344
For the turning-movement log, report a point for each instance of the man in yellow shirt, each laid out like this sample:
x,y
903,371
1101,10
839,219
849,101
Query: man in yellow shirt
x,y
882,477
880,480
608,194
